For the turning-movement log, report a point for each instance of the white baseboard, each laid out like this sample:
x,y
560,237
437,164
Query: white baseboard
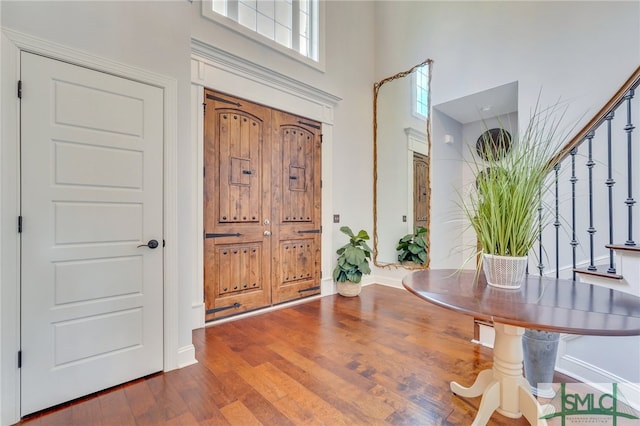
x,y
187,356
327,286
388,281
486,335
197,315
596,377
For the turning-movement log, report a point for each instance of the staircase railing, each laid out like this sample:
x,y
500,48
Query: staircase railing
x,y
594,183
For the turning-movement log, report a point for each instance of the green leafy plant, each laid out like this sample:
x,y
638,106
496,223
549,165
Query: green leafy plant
x,y
413,247
504,208
353,257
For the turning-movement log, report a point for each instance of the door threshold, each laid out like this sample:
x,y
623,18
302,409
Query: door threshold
x,y
260,311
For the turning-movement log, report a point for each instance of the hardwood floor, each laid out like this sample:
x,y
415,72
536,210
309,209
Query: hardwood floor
x,y
385,357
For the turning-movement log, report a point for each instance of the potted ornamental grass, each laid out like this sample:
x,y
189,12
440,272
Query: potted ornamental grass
x,y
507,212
504,206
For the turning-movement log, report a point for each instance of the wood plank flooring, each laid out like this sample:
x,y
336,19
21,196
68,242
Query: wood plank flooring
x,y
383,358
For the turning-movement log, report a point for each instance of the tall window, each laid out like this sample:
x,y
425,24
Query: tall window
x,y
290,23
421,92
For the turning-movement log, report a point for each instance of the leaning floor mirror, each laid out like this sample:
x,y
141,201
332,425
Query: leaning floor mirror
x,y
401,145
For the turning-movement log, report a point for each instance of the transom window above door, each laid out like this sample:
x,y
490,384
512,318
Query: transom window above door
x,y
289,26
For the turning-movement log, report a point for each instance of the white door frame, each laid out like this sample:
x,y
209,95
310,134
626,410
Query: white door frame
x,y
219,70
12,44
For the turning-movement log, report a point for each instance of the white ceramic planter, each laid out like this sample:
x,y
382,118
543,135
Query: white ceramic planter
x,y
504,271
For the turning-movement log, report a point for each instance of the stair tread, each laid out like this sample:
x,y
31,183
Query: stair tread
x,y
623,247
598,273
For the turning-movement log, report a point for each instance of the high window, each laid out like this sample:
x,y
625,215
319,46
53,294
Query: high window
x,y
292,24
421,92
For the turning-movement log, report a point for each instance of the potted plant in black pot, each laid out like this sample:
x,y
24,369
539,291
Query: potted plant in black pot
x,y
353,262
413,248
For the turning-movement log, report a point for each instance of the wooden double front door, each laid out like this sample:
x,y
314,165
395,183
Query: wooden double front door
x,y
261,206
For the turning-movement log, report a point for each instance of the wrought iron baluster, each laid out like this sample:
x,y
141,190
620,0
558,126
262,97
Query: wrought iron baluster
x,y
610,182
591,230
540,264
573,180
556,223
629,201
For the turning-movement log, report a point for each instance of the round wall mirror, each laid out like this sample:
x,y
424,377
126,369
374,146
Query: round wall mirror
x,y
493,144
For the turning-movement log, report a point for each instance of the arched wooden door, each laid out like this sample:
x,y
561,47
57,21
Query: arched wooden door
x,y
261,206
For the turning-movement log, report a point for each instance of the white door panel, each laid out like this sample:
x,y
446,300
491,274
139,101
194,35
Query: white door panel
x,y
91,194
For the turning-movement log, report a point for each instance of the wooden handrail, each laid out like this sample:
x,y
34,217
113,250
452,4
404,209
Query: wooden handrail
x,y
616,99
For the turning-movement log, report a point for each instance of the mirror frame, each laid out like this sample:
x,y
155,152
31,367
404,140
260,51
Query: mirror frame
x,y
376,89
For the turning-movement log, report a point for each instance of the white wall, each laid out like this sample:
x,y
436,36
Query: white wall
x,y
133,33
348,74
156,36
446,183
578,51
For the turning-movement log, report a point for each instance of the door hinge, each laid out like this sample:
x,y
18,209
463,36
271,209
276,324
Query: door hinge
x,y
164,243
19,359
305,123
204,108
19,224
223,308
19,89
204,172
321,138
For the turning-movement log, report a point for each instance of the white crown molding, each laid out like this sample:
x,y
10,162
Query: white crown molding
x,y
243,67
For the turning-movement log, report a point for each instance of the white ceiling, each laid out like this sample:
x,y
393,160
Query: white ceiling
x,y
482,105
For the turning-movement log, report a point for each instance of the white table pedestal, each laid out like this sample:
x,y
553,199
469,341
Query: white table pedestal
x,y
504,388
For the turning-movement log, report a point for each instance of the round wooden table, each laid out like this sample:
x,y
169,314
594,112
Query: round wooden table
x,y
541,303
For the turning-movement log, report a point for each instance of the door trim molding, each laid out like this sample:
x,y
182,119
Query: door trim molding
x,y
13,43
222,71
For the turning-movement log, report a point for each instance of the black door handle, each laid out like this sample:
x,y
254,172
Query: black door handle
x,y
151,244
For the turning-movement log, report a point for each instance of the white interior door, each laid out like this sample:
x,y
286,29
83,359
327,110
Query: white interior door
x,y
91,159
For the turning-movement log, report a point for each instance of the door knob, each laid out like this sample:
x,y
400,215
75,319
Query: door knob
x,y
151,244
267,233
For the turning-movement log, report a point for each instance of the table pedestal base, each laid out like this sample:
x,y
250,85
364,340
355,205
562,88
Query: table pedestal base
x,y
504,388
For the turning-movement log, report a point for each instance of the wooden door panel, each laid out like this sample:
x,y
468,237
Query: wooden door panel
x,y
297,269
296,207
297,174
235,274
262,206
240,137
237,188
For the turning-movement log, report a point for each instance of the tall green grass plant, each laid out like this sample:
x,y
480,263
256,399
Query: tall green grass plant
x,y
503,209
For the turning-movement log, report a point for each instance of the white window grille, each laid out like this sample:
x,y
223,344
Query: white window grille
x,y
293,24
420,96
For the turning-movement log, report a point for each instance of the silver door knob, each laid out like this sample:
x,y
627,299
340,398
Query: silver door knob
x,y
267,233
